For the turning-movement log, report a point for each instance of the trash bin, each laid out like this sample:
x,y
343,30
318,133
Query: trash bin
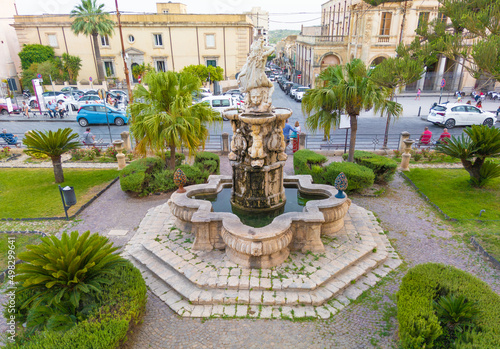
x,y
69,196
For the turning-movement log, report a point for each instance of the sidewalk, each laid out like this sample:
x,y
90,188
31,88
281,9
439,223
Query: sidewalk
x,y
35,116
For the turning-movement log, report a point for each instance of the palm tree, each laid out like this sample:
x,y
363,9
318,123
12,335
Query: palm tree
x,y
91,20
52,144
165,117
346,89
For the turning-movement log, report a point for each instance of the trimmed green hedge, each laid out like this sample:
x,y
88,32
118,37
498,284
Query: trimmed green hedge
x,y
419,326
358,176
311,163
383,167
149,175
119,307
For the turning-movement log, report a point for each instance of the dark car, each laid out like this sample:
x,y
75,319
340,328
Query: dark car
x,y
5,111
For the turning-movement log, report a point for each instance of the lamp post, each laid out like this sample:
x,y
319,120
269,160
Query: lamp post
x,y
125,67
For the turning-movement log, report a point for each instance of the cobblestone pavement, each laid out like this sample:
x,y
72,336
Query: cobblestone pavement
x,y
416,232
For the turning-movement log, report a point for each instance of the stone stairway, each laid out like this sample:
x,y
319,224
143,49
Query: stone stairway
x,y
202,284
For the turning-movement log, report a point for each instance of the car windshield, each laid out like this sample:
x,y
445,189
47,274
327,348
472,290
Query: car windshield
x,y
439,108
302,89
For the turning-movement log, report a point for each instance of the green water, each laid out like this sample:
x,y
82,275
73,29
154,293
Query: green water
x,y
295,202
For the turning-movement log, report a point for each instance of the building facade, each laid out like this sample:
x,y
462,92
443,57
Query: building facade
x,y
353,29
9,47
168,40
260,20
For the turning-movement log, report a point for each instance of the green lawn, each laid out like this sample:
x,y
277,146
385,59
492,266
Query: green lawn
x,y
21,241
31,193
450,190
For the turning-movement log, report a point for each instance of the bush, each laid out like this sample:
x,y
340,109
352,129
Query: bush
x,y
195,174
358,176
210,161
384,168
136,177
304,160
163,181
119,306
419,326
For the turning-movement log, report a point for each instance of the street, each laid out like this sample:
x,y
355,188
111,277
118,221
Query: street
x,y
370,127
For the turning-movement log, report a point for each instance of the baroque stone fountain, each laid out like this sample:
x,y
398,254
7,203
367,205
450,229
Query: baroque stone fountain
x,y
203,262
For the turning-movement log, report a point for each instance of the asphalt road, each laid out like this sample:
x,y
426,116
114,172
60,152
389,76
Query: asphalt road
x,y
370,126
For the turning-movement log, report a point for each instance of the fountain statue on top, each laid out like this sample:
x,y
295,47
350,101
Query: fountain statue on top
x,y
258,145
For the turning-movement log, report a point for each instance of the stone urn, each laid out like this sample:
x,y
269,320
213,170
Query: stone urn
x,y
120,157
405,158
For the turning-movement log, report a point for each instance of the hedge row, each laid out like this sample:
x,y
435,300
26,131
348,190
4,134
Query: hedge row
x,y
311,163
120,306
149,175
383,167
419,326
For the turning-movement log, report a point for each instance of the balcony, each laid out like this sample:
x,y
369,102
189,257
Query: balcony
x,y
322,40
385,40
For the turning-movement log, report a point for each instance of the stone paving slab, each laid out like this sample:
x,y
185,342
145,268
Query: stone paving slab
x,y
190,281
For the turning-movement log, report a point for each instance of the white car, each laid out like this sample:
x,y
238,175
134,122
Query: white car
x,y
299,93
221,103
459,114
52,96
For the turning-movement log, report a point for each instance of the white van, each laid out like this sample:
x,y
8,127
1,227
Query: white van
x,y
221,103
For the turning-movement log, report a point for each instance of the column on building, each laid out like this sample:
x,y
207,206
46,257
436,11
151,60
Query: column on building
x,y
440,72
457,73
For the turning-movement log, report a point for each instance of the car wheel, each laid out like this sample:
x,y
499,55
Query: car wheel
x,y
450,123
488,122
33,104
5,112
83,122
119,122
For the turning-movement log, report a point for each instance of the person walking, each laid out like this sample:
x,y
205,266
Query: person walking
x,y
286,132
26,110
295,136
418,94
479,104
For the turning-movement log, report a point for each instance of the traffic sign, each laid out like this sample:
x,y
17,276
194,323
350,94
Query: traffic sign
x,y
39,76
90,79
139,78
299,76
443,83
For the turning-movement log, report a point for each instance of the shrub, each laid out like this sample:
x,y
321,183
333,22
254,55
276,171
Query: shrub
x,y
119,306
358,176
195,174
210,161
137,176
419,326
163,181
179,157
304,160
384,168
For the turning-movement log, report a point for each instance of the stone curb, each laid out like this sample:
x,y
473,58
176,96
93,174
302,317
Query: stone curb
x,y
80,210
481,250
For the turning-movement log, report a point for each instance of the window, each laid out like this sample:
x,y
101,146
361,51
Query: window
x,y
442,17
216,103
131,38
459,109
212,62
472,109
225,103
165,12
210,41
104,41
161,66
423,18
158,39
109,69
52,40
100,109
385,24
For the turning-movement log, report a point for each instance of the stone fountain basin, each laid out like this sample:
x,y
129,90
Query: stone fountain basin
x,y
259,247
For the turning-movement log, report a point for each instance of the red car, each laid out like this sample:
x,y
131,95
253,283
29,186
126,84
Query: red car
x,y
5,111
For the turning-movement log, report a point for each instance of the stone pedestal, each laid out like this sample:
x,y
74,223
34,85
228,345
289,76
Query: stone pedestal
x,y
404,136
125,135
118,144
405,158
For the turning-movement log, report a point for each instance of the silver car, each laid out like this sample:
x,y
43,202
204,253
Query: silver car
x,y
458,114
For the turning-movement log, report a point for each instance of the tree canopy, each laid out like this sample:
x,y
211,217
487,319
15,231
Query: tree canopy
x,y
35,53
202,72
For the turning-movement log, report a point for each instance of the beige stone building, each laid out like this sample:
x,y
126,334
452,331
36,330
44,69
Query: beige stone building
x,y
353,29
168,40
9,47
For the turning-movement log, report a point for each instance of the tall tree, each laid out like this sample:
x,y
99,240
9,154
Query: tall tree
x,y
395,72
89,19
204,73
345,89
52,144
164,116
72,65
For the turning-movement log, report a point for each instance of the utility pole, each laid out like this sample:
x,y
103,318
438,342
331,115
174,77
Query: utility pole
x,y
130,97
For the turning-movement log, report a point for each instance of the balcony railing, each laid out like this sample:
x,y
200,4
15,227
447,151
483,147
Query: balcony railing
x,y
386,39
322,40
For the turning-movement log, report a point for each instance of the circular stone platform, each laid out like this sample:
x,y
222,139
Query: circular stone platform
x,y
207,283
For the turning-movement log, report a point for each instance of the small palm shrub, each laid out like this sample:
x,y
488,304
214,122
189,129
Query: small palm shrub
x,y
456,313
60,272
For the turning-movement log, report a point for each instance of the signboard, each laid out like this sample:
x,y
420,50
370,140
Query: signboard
x,y
344,122
38,88
39,76
90,79
9,105
443,83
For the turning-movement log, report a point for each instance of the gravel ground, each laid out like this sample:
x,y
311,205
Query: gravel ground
x,y
417,232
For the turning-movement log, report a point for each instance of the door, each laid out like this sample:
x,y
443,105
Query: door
x,y
474,116
459,113
100,115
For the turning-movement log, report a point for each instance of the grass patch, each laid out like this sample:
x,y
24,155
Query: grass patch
x,y
30,193
21,241
486,233
451,191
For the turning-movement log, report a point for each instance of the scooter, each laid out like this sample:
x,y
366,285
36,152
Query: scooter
x,y
26,94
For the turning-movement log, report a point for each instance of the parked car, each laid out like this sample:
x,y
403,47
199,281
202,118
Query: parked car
x,y
221,103
69,89
53,96
233,92
300,93
458,114
294,89
96,114
289,87
122,94
493,94
5,111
